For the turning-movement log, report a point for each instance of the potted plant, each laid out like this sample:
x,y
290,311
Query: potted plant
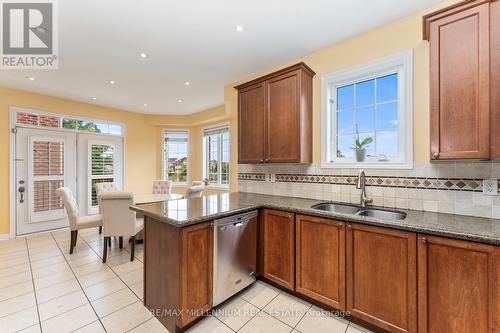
x,y
359,146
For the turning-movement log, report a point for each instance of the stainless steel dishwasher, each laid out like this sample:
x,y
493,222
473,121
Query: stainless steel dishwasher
x,y
235,254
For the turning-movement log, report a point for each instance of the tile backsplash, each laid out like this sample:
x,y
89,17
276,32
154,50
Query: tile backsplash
x,y
446,187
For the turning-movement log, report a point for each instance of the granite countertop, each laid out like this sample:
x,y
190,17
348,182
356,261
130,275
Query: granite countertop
x,y
184,212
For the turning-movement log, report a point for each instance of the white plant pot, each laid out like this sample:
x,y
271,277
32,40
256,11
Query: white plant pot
x,y
360,154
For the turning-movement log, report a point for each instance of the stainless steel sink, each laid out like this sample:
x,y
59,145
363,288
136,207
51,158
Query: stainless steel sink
x,y
382,214
337,208
356,210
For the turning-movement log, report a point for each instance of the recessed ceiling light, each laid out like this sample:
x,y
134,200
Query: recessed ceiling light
x,y
143,55
187,83
145,105
31,78
93,98
112,81
180,101
239,28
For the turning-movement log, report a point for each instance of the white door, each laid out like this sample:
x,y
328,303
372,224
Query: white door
x,y
45,161
100,159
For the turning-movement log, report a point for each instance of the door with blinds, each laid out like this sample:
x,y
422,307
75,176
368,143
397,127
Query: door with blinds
x,y
45,161
100,161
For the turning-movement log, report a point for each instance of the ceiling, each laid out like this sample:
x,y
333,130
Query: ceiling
x,y
189,40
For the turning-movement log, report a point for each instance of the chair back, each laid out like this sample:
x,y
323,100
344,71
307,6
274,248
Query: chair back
x,y
194,191
105,187
117,218
70,206
162,187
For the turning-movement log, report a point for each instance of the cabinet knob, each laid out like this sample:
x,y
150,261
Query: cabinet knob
x,y
349,226
424,240
341,225
261,161
435,154
267,160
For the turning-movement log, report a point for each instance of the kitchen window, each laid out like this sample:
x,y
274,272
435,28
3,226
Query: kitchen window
x,y
175,156
216,155
102,169
367,115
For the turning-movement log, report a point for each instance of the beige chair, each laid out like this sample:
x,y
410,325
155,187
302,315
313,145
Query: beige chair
x,y
162,187
101,188
76,222
194,191
119,220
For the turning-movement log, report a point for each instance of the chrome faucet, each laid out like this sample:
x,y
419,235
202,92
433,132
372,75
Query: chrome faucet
x,y
361,185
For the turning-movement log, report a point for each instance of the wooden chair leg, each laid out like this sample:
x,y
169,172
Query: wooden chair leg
x,y
121,242
76,236
105,249
72,242
109,241
100,230
132,249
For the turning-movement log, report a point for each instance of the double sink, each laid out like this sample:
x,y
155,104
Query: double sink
x,y
381,214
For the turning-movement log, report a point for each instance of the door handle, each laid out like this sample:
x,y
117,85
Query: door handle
x,y
21,192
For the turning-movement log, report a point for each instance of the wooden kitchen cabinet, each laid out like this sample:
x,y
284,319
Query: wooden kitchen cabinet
x,y
275,117
278,233
320,260
458,286
251,120
382,277
196,271
464,80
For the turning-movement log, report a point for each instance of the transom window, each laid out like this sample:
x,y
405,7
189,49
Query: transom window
x,y
216,155
175,156
368,115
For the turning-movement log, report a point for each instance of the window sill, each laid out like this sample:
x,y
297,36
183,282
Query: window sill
x,y
368,165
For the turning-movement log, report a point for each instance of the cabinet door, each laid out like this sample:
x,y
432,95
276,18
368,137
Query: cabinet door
x,y
459,85
458,286
196,271
283,118
320,260
279,247
382,277
251,124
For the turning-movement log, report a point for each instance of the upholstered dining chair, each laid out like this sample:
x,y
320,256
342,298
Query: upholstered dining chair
x,y
76,222
194,191
119,220
104,187
162,187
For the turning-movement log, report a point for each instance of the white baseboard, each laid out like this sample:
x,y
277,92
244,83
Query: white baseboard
x,y
4,237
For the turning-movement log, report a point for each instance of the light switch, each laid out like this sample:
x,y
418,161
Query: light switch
x,y
490,186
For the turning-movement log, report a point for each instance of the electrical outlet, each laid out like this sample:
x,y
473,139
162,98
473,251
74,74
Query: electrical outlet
x,y
490,186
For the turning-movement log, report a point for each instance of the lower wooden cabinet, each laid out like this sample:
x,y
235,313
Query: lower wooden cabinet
x,y
196,271
458,286
320,260
278,235
382,277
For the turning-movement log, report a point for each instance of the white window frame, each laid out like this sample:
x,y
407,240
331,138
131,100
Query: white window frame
x,y
95,209
204,144
401,63
164,164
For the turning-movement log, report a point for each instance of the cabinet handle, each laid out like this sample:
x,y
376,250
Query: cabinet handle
x,y
424,240
435,154
349,226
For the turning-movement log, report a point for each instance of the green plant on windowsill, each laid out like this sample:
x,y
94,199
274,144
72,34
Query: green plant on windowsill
x,y
360,146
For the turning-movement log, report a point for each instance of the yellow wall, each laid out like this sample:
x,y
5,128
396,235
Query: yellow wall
x,y
141,140
395,37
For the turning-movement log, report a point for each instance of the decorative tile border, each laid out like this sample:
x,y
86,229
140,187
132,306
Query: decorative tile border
x,y
258,177
454,184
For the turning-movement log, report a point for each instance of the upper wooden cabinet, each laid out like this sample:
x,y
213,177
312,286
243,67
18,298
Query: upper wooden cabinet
x,y
278,247
458,286
275,117
464,70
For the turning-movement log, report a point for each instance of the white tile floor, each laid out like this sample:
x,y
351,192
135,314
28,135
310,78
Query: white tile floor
x,y
45,289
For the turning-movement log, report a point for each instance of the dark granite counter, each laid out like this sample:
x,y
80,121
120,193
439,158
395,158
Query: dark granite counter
x,y
184,212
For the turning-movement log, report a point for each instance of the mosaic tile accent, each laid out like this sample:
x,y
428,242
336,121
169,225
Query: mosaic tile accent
x,y
258,177
456,184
